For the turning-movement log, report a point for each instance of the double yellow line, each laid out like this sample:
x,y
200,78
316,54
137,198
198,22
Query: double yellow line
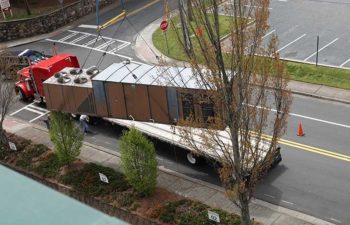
x,y
308,148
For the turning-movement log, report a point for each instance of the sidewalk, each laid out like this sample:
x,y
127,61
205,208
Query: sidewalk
x,y
185,186
148,53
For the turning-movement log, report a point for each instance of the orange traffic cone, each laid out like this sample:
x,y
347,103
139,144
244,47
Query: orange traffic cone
x,y
300,130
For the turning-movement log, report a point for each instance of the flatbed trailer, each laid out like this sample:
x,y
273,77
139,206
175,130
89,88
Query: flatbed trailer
x,y
171,135
148,97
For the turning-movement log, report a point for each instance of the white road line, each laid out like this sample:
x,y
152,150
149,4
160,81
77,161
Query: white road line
x,y
344,63
96,36
335,220
319,120
31,121
15,112
32,108
309,118
88,26
291,203
68,36
321,49
119,47
254,6
105,44
80,38
269,33
84,46
37,109
269,196
32,105
90,42
34,111
291,42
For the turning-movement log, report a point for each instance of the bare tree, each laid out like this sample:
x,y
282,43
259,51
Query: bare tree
x,y
243,81
185,24
7,94
189,10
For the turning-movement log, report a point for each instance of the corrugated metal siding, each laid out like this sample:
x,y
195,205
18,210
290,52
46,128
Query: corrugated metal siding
x,y
115,100
159,104
173,106
84,100
68,98
57,101
100,98
137,101
47,96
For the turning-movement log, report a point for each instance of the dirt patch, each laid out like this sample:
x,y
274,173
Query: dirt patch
x,y
147,206
75,166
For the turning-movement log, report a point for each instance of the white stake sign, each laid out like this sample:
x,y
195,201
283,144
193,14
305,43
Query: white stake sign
x,y
4,4
12,146
213,216
103,178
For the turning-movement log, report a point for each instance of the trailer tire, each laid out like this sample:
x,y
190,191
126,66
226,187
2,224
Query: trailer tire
x,y
192,159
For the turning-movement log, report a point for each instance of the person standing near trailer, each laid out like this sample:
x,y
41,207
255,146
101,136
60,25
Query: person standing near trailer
x,y
84,123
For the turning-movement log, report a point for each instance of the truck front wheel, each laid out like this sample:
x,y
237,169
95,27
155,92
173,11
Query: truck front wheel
x,y
21,94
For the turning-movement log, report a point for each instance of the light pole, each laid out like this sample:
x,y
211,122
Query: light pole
x,y
27,7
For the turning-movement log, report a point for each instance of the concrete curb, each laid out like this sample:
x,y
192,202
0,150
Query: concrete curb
x,y
321,97
292,213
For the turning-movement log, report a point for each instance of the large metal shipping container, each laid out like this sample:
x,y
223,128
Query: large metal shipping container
x,y
131,91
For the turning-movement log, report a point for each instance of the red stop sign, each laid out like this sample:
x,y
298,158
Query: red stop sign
x,y
164,25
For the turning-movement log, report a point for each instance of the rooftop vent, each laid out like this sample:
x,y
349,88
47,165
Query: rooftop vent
x,y
76,71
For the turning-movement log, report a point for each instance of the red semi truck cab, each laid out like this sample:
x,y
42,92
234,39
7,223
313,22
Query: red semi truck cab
x,y
31,78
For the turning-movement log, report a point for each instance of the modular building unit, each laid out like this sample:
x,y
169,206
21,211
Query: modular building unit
x,y
69,96
132,91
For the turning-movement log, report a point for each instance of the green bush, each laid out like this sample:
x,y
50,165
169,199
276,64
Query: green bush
x,y
49,167
186,211
66,137
139,161
87,180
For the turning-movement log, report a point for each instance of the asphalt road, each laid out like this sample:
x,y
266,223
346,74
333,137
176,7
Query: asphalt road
x,y
308,179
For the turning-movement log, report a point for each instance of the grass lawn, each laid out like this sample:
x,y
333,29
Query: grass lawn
x,y
329,76
168,44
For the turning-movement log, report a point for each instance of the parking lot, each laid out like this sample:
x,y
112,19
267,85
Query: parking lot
x,y
298,23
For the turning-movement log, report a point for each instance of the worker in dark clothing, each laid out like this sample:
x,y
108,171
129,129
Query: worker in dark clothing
x,y
84,123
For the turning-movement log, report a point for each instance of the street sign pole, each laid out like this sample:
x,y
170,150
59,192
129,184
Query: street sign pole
x,y
97,13
318,43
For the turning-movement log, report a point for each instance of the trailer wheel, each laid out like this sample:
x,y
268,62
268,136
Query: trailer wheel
x,y
193,160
